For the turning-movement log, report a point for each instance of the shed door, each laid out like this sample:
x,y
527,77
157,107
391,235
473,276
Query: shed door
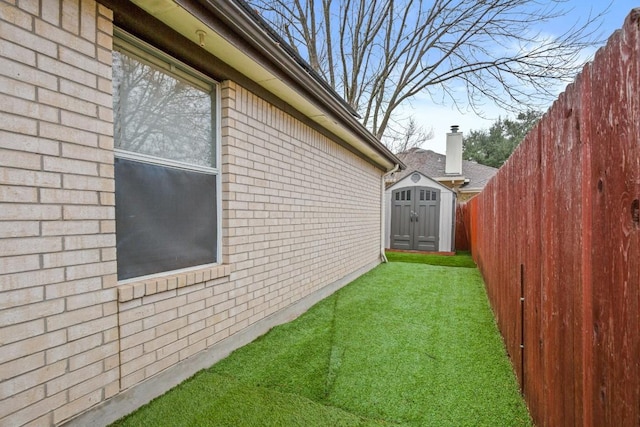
x,y
402,219
415,218
427,221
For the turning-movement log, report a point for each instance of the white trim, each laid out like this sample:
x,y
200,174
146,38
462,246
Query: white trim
x,y
401,183
217,136
383,209
162,161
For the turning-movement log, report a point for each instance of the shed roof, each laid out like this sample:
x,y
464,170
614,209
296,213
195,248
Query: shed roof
x,y
406,181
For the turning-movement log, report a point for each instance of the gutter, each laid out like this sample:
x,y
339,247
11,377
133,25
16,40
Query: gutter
x,y
382,210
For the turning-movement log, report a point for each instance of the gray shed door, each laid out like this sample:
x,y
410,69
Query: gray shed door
x,y
415,218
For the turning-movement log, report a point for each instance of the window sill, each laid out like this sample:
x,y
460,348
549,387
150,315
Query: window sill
x,y
153,285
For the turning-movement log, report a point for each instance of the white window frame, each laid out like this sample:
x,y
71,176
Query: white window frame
x,y
146,53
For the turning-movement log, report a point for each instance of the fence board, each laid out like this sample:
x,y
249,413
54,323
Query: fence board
x,y
533,387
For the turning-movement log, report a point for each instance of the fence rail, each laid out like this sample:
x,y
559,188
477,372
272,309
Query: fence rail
x,y
556,235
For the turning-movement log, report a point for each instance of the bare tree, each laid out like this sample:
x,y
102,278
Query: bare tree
x,y
381,53
160,115
410,136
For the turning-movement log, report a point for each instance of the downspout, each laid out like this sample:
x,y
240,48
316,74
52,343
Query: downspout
x,y
382,210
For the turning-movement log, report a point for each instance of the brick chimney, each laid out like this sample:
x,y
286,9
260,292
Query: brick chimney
x,y
453,165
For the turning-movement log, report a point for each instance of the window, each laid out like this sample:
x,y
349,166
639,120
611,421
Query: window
x,y
166,167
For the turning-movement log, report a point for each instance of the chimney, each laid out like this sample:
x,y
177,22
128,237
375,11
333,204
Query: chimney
x,y
453,164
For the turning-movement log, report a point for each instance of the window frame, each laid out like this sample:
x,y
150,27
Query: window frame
x,y
147,54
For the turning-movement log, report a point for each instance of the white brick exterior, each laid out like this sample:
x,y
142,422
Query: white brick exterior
x,y
299,213
58,310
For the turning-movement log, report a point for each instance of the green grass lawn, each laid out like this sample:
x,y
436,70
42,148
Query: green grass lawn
x,y
460,259
408,344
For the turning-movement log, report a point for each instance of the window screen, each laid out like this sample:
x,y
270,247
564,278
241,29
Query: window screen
x,y
165,218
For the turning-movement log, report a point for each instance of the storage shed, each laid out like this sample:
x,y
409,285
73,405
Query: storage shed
x,y
420,215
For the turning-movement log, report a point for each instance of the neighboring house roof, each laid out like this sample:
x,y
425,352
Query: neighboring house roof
x,y
235,34
432,164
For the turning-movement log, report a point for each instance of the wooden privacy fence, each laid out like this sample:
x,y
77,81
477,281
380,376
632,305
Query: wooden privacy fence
x,y
556,235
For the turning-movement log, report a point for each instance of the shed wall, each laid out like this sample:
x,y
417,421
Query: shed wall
x,y
447,206
301,216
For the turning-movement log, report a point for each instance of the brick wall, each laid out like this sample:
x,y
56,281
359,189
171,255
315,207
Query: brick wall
x,y
300,210
300,214
295,219
165,320
58,314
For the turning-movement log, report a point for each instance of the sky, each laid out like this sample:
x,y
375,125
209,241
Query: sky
x,y
440,118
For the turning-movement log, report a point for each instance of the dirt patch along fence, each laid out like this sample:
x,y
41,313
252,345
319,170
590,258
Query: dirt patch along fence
x,y
556,235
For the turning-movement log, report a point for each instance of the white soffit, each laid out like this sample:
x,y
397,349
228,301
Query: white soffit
x,y
177,18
